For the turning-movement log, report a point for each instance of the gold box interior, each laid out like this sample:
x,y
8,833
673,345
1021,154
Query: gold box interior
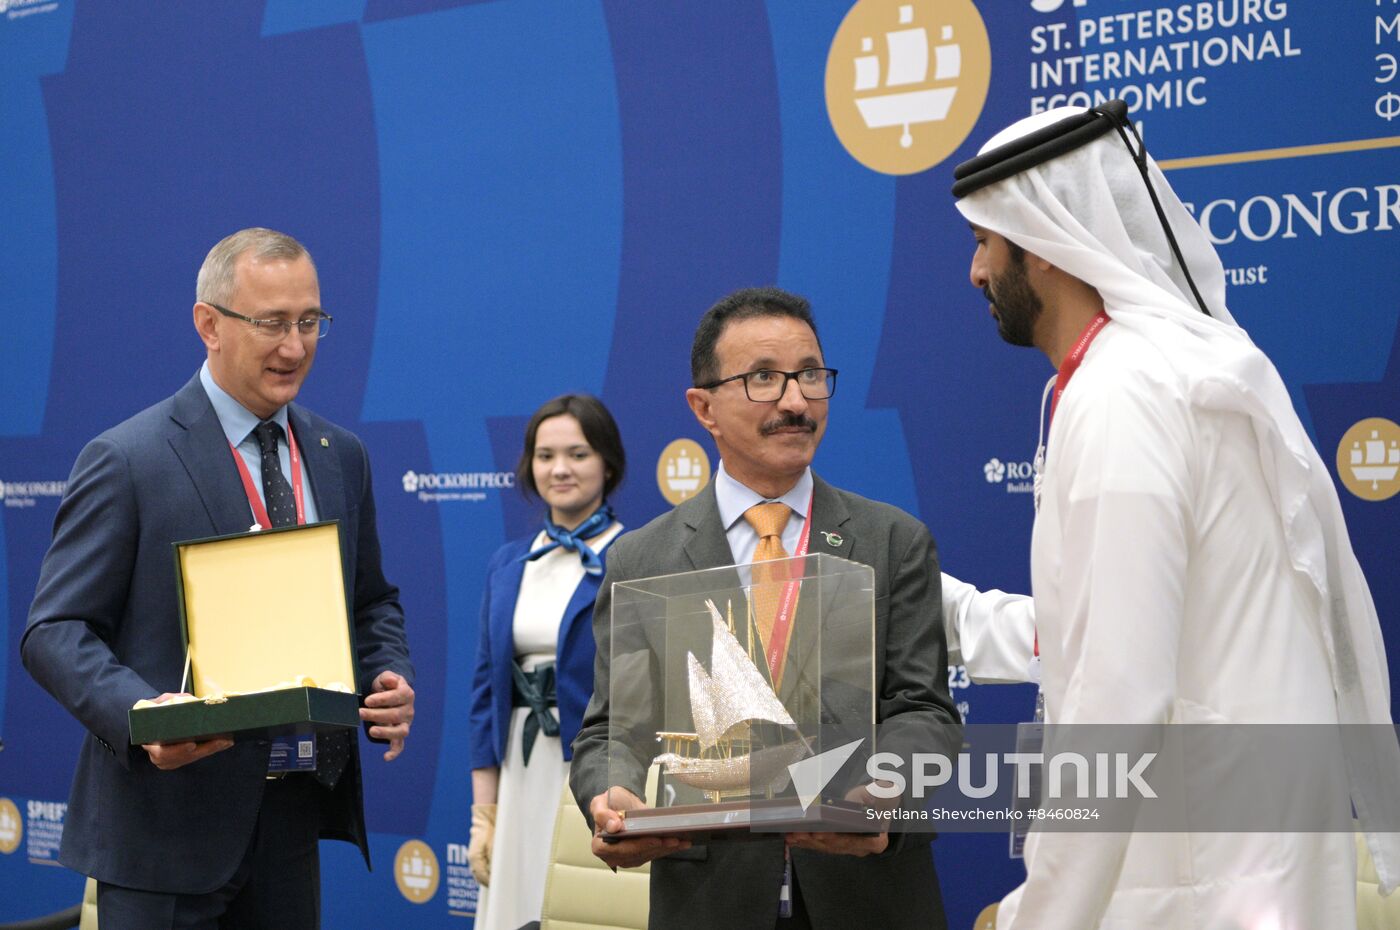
x,y
266,608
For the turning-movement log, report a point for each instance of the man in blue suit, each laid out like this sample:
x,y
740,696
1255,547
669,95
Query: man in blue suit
x,y
201,834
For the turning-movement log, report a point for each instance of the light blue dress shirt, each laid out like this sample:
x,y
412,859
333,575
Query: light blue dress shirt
x,y
734,498
238,423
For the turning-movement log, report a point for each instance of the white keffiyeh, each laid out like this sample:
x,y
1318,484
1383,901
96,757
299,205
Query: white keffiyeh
x,y
1088,213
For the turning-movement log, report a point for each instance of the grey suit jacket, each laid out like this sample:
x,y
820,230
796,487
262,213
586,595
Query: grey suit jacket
x,y
736,884
104,632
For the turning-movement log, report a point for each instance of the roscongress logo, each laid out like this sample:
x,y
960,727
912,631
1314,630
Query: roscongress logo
x,y
432,487
1348,211
27,493
416,871
905,82
682,470
1016,477
10,829
1368,459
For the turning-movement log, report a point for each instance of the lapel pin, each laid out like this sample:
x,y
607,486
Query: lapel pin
x,y
325,443
833,539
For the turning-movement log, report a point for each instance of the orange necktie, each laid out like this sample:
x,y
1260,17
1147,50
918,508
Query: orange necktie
x,y
767,520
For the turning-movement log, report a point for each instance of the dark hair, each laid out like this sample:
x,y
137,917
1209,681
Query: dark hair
x,y
743,304
599,428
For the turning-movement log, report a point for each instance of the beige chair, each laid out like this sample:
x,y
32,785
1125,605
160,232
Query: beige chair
x,y
1372,911
88,920
580,893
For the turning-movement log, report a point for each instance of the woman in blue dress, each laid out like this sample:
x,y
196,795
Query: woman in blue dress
x,y
534,670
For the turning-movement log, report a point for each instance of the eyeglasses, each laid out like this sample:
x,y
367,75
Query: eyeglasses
x,y
766,385
314,327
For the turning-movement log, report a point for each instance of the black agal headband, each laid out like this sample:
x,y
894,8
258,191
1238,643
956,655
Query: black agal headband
x,y
1059,138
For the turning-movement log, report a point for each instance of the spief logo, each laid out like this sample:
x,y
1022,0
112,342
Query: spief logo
x,y
682,470
905,82
416,871
1368,459
10,829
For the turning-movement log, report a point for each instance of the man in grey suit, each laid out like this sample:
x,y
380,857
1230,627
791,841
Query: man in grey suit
x,y
761,390
203,833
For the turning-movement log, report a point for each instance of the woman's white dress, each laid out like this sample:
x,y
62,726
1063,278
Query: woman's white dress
x,y
527,799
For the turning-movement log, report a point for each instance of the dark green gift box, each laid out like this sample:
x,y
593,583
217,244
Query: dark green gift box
x,y
247,716
257,610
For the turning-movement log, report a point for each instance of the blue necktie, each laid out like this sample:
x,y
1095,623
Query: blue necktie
x,y
277,491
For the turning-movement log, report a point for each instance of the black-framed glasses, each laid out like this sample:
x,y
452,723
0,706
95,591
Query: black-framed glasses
x,y
766,385
314,327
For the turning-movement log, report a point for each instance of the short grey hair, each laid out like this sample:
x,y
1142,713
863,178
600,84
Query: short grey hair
x,y
215,282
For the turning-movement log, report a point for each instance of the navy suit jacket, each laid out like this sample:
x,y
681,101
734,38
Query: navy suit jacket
x,y
104,632
491,687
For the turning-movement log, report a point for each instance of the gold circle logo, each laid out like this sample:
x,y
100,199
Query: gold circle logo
x,y
682,470
10,828
905,82
1368,459
416,871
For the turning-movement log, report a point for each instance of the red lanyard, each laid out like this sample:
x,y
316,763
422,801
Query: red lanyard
x,y
782,620
1076,357
1067,369
255,500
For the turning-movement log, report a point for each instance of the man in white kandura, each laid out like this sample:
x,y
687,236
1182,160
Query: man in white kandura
x,y
1189,562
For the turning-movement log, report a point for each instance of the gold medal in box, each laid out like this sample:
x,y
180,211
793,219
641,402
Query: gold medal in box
x,y
267,636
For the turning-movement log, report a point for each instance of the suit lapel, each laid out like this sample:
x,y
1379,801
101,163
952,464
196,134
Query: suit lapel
x,y
830,535
203,449
831,530
706,546
322,466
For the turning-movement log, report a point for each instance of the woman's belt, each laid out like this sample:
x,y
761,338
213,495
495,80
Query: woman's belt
x,y
535,689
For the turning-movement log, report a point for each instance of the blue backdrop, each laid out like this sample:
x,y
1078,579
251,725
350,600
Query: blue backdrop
x,y
512,199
